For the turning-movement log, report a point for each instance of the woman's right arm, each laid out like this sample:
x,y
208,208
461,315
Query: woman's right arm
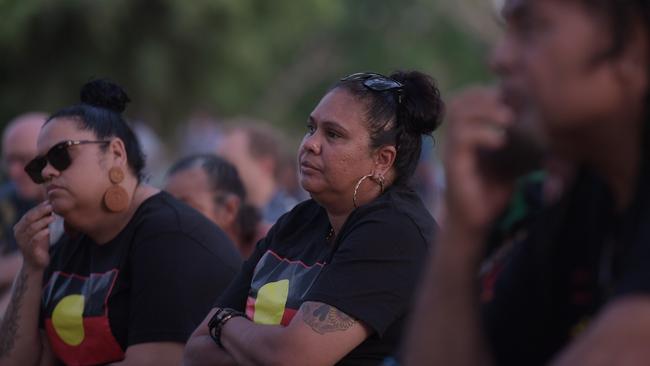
x,y
21,342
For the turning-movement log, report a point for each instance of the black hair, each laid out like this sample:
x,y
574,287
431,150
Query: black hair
x,y
400,118
223,176
100,111
618,14
620,17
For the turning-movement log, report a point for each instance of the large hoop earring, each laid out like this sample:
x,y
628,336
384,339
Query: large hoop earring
x,y
356,187
381,183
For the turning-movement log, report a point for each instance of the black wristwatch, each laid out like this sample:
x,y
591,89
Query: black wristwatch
x,y
219,319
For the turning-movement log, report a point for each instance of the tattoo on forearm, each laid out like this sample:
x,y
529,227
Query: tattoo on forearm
x,y
9,326
324,318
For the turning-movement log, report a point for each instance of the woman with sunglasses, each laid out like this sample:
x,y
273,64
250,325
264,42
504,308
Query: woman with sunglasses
x,y
332,280
136,270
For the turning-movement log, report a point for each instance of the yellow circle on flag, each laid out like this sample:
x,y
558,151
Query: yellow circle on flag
x,y
67,319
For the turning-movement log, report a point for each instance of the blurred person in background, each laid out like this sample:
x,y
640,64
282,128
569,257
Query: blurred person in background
x,y
288,177
136,270
199,134
18,195
212,186
332,281
155,153
576,290
255,149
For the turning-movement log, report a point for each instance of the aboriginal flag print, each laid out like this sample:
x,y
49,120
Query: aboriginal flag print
x,y
76,318
278,288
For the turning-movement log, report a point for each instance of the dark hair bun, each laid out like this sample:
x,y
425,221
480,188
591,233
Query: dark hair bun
x,y
102,93
422,106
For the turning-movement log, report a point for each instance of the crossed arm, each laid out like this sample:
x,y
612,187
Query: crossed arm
x,y
319,334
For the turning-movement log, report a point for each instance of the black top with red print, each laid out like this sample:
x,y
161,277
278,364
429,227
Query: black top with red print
x,y
369,272
154,282
578,255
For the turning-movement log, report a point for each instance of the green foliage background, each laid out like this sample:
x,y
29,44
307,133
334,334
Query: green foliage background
x,y
267,59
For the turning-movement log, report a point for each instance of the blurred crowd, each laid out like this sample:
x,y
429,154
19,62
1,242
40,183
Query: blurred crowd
x,y
237,245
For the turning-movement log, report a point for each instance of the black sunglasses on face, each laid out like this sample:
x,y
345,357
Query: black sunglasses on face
x,y
58,156
377,82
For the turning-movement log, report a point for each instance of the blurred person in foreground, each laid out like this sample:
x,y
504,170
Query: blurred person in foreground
x,y
212,186
332,281
255,149
136,271
18,195
577,290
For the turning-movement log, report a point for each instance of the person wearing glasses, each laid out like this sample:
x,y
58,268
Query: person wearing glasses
x,y
212,186
332,281
136,270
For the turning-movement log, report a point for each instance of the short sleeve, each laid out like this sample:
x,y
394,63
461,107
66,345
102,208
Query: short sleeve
x,y
373,273
174,282
237,292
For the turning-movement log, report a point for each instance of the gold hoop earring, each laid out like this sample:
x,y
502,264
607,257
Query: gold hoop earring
x,y
380,179
356,189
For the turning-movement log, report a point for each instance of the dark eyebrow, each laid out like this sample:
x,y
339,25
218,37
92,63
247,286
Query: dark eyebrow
x,y
334,125
328,124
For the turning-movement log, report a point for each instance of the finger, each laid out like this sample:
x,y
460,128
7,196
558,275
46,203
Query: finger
x,y
40,246
479,105
42,236
43,209
496,115
38,225
470,137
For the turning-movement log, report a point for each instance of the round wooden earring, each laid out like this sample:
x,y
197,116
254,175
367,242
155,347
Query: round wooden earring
x,y
116,199
116,175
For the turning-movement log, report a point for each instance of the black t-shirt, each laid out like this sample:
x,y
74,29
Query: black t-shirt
x,y
154,282
578,255
369,272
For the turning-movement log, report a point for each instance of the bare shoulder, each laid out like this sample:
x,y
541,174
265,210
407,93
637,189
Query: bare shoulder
x,y
619,335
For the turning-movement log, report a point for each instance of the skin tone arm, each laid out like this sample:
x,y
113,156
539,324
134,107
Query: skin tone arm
x,y
20,339
9,267
155,353
319,334
618,336
448,330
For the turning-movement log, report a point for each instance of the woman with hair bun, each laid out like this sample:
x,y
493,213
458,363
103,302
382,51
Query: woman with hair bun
x,y
332,281
135,272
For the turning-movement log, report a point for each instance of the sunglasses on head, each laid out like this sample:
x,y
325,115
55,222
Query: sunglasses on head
x,y
58,156
377,82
